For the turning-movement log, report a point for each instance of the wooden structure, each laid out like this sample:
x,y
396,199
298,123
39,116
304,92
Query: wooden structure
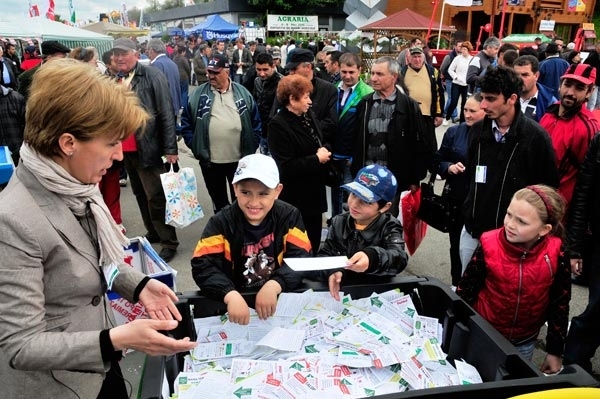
x,y
399,28
519,16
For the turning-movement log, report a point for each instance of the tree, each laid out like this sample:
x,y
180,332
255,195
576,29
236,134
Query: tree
x,y
285,5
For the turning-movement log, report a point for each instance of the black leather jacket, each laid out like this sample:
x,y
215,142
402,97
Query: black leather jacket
x,y
382,241
159,138
584,211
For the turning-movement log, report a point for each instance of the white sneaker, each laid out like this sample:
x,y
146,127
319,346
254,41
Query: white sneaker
x,y
445,122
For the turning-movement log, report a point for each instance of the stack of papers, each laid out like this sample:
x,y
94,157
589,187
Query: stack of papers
x,y
315,347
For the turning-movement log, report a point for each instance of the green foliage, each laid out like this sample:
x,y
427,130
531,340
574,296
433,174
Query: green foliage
x,y
285,5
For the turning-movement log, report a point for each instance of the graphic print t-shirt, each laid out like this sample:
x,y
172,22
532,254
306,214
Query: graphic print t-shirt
x,y
259,251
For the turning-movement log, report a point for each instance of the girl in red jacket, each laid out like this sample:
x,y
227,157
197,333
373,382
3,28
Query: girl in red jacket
x,y
517,279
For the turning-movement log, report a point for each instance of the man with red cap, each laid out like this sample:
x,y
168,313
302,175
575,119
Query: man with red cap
x,y
571,127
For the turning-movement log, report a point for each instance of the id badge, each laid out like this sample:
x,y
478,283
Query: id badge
x,y
480,173
110,274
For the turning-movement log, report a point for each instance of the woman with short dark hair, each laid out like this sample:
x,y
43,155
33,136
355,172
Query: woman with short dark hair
x,y
296,143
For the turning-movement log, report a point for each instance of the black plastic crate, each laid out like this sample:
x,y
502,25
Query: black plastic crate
x,y
467,336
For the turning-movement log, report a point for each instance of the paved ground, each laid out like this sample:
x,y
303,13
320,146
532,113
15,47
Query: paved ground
x,y
431,258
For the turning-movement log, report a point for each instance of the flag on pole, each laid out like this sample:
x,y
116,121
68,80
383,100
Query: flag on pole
x,y
72,11
459,3
34,11
124,16
50,14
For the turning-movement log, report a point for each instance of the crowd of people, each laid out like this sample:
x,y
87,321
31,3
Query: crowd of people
x,y
272,127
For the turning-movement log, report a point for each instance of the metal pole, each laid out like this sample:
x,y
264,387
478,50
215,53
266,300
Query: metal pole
x,y
440,30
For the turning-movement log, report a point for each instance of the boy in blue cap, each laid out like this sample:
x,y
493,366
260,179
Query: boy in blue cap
x,y
369,235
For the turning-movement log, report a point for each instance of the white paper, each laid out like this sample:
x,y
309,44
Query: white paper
x,y
318,263
283,339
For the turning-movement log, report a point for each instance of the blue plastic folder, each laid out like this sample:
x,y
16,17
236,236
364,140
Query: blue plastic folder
x,y
7,166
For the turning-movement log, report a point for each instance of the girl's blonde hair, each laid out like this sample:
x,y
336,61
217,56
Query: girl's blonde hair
x,y
68,96
548,203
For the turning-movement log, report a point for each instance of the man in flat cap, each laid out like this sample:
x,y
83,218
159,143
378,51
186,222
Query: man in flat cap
x,y
51,49
221,124
143,151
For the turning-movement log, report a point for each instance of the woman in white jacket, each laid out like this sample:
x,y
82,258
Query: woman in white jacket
x,y
458,72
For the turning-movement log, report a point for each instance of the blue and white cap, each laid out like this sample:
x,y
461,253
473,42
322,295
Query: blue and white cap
x,y
373,183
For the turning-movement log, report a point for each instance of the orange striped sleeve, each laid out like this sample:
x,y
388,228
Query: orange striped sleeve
x,y
213,245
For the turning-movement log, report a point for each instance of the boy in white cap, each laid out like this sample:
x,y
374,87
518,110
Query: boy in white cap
x,y
242,247
369,235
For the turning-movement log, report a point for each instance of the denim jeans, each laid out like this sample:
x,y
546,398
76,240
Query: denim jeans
x,y
584,334
448,97
593,102
468,245
526,349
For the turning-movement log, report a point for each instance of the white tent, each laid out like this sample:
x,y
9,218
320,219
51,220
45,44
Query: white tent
x,y
43,29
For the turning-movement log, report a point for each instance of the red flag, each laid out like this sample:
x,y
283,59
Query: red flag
x,y
50,13
34,11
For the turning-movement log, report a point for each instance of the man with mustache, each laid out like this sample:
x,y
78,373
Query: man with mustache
x,y
571,127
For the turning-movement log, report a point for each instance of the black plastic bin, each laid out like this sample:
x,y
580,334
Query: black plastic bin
x,y
467,336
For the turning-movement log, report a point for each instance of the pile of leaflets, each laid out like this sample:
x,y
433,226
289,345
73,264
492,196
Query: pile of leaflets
x,y
316,347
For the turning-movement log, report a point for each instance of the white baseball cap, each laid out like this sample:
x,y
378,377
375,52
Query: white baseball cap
x,y
260,167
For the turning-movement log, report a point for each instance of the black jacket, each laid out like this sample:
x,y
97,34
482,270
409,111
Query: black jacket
x,y
12,73
159,137
526,157
12,121
218,261
410,145
295,152
382,241
584,211
264,94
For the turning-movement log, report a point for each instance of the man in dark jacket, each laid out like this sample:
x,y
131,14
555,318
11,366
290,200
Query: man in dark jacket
x,y
8,71
12,121
507,152
481,61
265,89
584,335
390,131
143,151
535,97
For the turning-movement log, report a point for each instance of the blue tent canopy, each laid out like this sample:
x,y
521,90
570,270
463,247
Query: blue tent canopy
x,y
171,31
214,27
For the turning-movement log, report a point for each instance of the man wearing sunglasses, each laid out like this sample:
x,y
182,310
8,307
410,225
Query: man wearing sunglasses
x,y
221,124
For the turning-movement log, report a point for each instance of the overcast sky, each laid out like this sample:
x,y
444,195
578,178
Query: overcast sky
x,y
84,9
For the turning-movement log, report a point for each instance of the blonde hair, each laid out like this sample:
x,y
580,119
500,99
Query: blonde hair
x,y
548,203
67,96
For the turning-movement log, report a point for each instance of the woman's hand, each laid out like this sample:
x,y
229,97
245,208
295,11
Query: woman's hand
x,y
266,299
159,301
323,154
456,168
143,335
335,281
237,308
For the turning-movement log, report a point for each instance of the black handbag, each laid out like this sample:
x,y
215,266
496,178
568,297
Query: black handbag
x,y
436,210
334,174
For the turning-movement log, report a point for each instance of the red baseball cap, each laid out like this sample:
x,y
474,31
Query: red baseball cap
x,y
583,73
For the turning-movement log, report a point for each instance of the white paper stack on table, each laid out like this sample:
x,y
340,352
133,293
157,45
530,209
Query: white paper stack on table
x,y
315,347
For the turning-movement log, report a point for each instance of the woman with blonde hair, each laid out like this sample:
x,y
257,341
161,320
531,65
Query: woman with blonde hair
x,y
62,250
